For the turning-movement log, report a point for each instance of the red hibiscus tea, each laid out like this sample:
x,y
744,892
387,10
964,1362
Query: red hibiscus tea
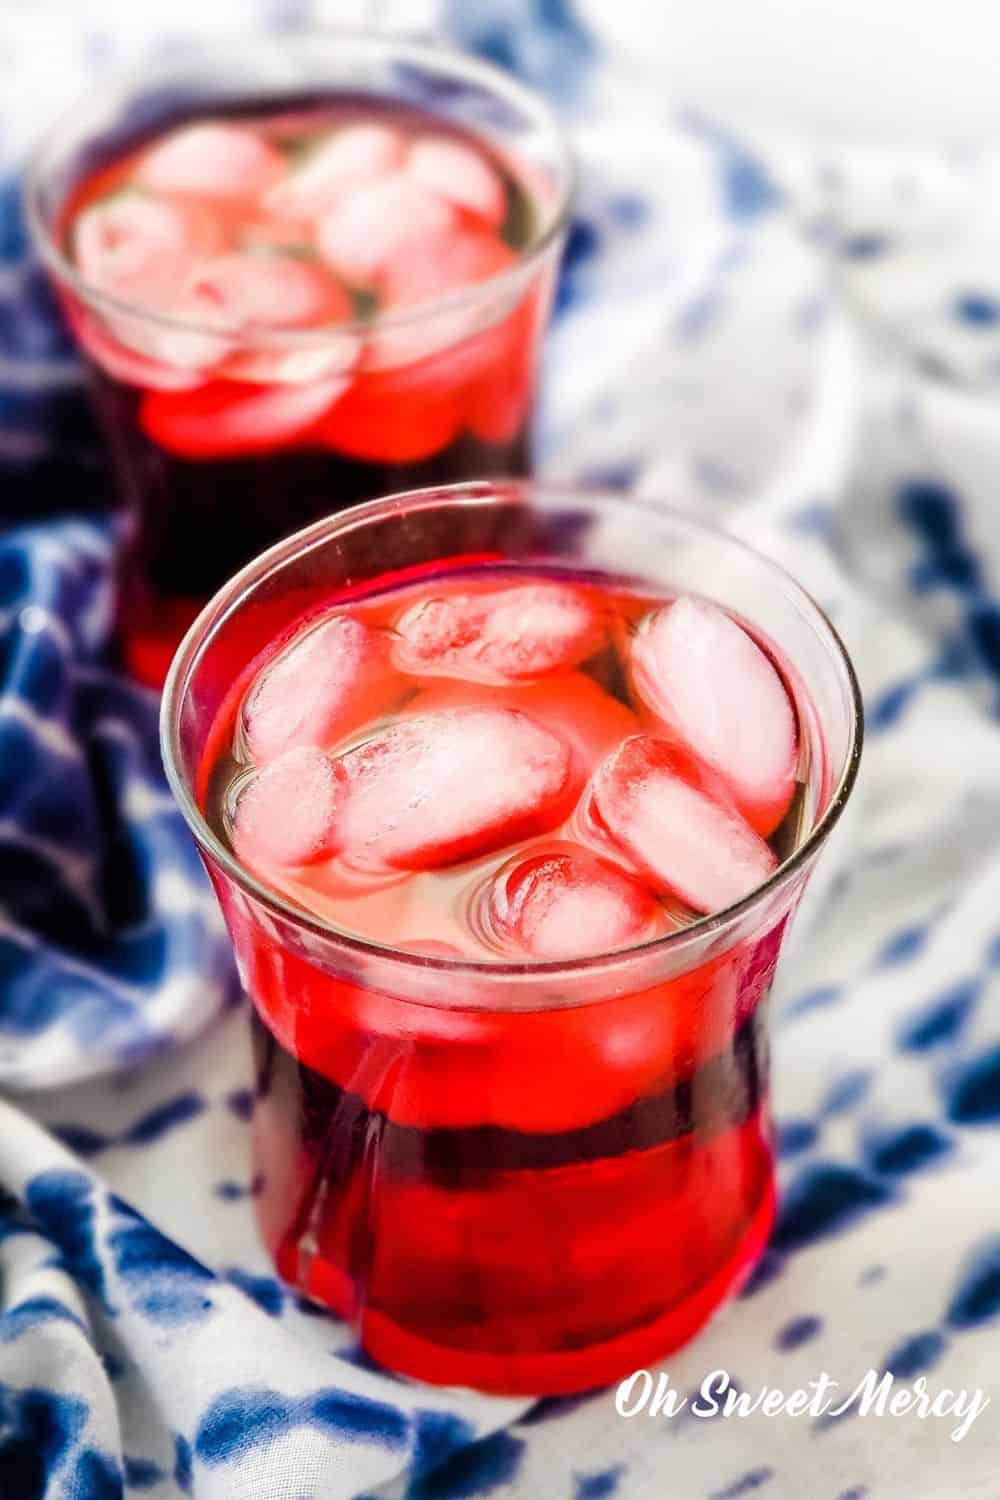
x,y
530,831
291,298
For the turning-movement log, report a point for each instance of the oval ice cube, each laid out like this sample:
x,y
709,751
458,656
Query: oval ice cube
x,y
245,291
119,359
138,248
444,264
459,173
437,788
660,808
333,677
287,813
499,635
569,704
212,159
567,902
394,416
456,259
349,158
373,225
701,674
228,418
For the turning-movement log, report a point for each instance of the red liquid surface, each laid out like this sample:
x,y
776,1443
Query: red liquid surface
x,y
246,379
529,1200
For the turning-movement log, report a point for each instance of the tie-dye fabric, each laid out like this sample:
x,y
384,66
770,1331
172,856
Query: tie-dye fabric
x,y
699,354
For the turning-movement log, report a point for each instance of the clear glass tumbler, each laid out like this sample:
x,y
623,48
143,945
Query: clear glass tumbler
x,y
225,439
528,1177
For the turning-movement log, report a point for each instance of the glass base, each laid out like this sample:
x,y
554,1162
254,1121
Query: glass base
x,y
540,1372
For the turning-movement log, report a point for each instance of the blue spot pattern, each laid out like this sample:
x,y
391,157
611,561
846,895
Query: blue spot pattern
x,y
598,1486
85,822
798,1332
32,1313
747,188
845,1092
920,1352
62,1202
972,1090
251,1417
747,1484
941,1020
824,1199
795,1136
864,246
544,41
934,512
183,1473
477,1469
163,1283
38,1431
438,1437
977,310
907,1148
146,1131
264,1290
976,1298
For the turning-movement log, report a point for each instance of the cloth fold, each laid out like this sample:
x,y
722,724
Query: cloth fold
x,y
701,354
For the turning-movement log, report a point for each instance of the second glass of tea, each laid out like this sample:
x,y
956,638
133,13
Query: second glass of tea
x,y
303,271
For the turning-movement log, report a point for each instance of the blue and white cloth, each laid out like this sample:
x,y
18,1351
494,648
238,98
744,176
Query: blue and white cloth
x,y
701,353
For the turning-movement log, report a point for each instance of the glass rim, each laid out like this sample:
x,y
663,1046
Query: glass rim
x,y
228,601
450,58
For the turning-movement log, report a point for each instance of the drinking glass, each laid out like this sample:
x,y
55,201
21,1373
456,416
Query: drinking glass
x,y
223,443
521,1177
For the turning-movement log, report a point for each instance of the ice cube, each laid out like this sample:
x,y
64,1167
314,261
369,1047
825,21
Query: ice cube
x,y
212,159
242,296
354,156
229,418
331,678
394,416
461,174
456,259
567,902
701,674
434,789
116,356
570,704
380,222
672,820
499,635
238,292
287,813
138,248
469,337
